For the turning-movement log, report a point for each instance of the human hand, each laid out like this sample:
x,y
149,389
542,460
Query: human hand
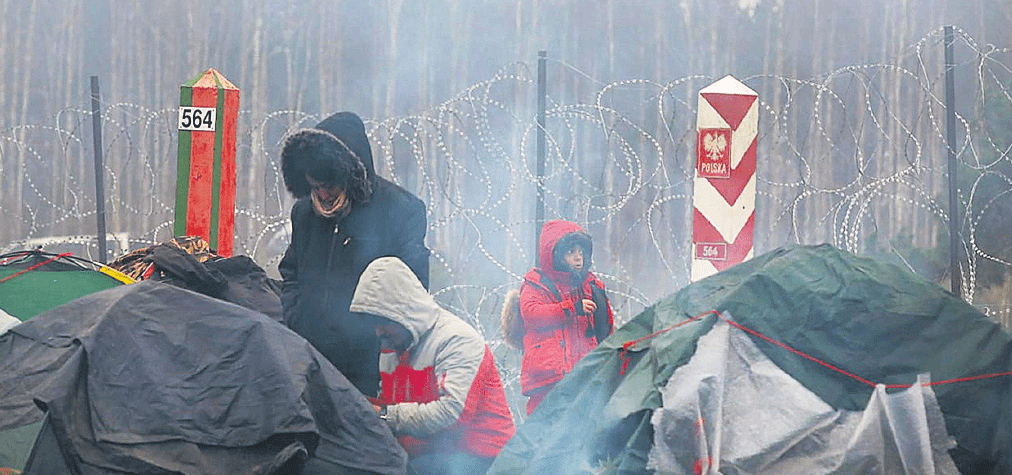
x,y
589,307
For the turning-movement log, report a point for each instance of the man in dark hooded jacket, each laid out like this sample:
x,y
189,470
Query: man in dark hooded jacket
x,y
345,217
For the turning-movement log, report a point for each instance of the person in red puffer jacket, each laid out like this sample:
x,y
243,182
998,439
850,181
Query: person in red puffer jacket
x,y
564,308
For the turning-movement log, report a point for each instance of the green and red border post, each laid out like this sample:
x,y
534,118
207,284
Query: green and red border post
x,y
205,173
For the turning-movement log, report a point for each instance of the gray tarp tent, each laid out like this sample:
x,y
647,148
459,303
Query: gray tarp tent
x,y
874,320
152,378
729,409
31,282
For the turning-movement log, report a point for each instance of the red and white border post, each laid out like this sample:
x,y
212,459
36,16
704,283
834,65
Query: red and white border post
x,y
205,170
723,195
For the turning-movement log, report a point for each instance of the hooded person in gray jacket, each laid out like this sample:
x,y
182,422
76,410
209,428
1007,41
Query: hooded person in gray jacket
x,y
345,217
441,392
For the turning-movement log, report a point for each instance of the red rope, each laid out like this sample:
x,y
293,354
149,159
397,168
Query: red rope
x,y
629,344
14,256
797,352
36,266
623,353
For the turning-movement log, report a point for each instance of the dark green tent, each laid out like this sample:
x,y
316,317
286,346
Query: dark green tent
x,y
32,282
878,322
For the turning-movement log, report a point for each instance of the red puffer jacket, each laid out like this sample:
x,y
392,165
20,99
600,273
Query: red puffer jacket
x,y
557,332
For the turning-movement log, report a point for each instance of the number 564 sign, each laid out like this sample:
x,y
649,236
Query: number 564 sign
x,y
713,251
197,118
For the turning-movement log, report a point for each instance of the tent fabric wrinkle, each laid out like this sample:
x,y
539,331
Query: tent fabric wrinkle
x,y
150,377
190,263
731,410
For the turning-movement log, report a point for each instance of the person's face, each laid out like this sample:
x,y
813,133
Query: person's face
x,y
327,194
574,259
392,336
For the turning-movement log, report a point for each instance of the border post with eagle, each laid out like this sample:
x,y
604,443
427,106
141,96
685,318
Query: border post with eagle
x,y
723,194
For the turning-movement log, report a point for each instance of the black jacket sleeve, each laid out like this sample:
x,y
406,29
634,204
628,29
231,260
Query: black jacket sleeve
x,y
289,269
412,249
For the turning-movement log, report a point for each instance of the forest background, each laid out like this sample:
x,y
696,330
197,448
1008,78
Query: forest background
x,y
851,150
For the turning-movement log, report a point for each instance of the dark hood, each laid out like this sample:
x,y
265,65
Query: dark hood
x,y
336,151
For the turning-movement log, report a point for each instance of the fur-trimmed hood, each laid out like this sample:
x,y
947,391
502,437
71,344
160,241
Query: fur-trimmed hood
x,y
335,151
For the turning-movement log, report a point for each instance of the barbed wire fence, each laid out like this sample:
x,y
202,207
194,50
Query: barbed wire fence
x,y
855,157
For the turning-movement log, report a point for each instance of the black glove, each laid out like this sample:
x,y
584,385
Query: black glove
x,y
598,324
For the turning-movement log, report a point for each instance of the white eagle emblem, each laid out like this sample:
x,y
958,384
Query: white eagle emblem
x,y
714,145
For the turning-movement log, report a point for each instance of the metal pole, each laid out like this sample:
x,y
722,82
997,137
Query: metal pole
x,y
96,123
539,210
950,136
